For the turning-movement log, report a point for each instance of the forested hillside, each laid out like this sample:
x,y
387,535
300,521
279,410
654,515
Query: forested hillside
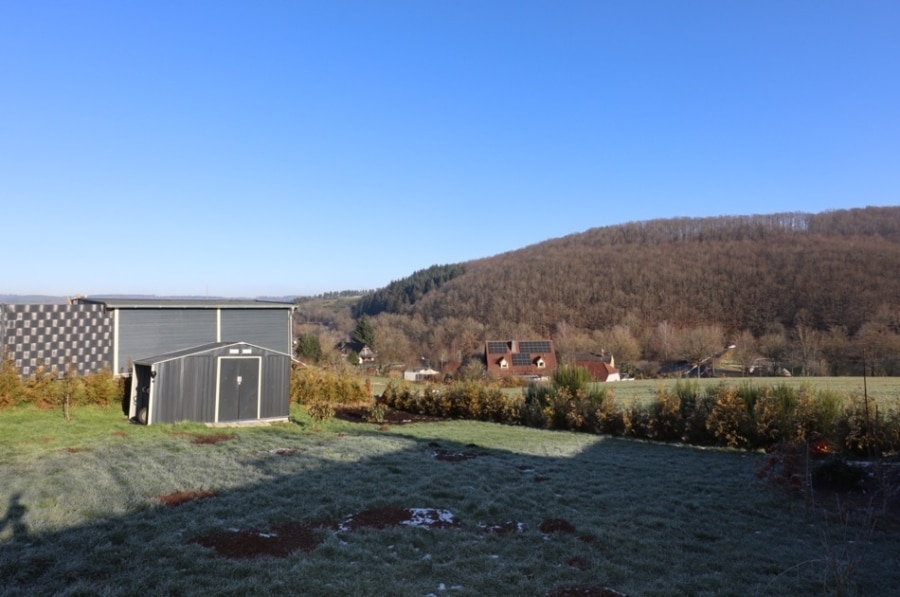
x,y
830,269
822,286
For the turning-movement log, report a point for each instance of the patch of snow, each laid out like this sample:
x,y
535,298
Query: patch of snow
x,y
426,517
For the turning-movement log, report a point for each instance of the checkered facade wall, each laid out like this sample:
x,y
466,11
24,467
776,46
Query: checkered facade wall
x,y
56,335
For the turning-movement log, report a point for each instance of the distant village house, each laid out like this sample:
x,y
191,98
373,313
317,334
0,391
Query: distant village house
x,y
520,358
600,366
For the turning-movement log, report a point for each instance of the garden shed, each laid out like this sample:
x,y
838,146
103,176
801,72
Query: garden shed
x,y
220,382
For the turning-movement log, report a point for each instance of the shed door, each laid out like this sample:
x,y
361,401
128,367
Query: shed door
x,y
238,388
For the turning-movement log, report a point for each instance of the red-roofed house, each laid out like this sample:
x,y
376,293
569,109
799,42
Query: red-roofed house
x,y
601,368
507,358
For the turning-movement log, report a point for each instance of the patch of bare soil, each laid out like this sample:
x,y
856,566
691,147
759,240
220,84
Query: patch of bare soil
x,y
585,592
279,542
119,434
579,562
290,537
286,538
285,451
181,497
556,525
448,456
389,416
503,529
380,518
202,438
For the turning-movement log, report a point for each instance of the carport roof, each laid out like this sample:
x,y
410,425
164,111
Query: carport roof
x,y
156,303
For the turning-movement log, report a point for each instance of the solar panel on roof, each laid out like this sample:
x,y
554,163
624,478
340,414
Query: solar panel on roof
x,y
497,347
521,359
538,346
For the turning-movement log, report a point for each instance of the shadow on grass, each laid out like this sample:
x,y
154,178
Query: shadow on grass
x,y
576,513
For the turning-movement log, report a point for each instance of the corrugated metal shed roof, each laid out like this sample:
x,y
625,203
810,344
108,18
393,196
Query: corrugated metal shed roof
x,y
176,354
130,303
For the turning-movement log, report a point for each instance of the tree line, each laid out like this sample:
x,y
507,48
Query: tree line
x,y
813,293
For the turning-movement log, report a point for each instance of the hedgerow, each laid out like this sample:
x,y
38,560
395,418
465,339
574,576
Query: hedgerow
x,y
47,387
742,417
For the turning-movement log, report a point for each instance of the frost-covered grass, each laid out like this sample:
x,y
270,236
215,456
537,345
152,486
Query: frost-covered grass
x,y
79,514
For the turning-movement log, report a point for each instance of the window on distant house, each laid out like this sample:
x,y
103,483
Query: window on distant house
x,y
504,364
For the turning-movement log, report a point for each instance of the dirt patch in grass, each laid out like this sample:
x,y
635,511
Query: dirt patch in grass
x,y
119,434
380,518
285,451
286,538
362,414
579,562
585,592
556,525
447,456
503,529
291,537
216,438
279,542
182,497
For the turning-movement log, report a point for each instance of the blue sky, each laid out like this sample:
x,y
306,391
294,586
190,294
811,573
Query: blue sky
x,y
273,148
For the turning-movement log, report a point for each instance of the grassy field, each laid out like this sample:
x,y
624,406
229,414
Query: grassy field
x,y
884,391
80,513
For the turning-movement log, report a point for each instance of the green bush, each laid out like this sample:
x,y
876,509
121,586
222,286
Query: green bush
x,y
728,420
538,406
741,417
11,389
320,410
665,421
695,410
573,379
100,388
41,388
608,417
311,384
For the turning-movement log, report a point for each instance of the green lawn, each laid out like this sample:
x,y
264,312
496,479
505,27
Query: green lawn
x,y
79,513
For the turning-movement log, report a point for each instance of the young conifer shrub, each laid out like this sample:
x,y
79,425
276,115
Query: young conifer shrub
x,y
41,388
729,421
11,389
665,422
573,379
331,387
100,388
537,408
609,417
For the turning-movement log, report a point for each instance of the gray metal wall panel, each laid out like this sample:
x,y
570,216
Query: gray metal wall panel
x,y
198,389
167,405
276,392
145,333
268,328
55,336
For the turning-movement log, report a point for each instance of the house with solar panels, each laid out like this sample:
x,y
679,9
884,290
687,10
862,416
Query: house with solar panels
x,y
520,358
